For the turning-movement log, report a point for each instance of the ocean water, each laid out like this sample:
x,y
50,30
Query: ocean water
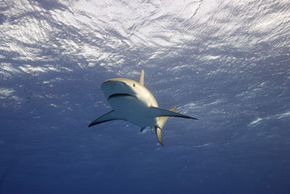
x,y
224,62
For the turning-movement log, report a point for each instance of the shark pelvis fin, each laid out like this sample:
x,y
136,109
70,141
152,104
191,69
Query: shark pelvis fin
x,y
159,112
109,116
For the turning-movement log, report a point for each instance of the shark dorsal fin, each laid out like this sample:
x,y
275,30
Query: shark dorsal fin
x,y
141,79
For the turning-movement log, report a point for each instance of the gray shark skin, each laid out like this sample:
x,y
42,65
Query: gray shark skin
x,y
131,101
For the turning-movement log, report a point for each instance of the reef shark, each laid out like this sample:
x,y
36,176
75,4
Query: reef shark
x,y
131,101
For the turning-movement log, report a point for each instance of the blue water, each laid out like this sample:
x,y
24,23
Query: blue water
x,y
224,62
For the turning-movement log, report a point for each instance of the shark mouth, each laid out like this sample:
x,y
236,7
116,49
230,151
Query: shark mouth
x,y
118,95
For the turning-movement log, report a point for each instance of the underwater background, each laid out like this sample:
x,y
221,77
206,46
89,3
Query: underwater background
x,y
226,62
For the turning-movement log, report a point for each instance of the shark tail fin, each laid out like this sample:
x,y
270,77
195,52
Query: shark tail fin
x,y
158,132
141,79
159,127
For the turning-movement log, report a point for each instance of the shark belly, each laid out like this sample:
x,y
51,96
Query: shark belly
x,y
131,109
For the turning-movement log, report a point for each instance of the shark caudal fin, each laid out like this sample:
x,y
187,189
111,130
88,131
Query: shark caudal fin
x,y
158,132
141,79
159,112
110,116
159,127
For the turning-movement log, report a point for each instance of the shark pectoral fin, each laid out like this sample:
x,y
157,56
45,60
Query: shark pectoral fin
x,y
110,116
141,79
162,120
158,132
158,112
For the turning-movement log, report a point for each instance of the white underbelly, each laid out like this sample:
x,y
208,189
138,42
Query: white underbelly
x,y
129,108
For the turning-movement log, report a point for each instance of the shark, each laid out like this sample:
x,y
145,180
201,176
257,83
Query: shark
x,y
131,101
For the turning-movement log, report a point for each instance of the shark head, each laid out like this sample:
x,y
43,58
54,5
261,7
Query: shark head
x,y
120,87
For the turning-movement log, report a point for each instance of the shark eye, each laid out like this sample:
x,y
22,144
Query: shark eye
x,y
133,85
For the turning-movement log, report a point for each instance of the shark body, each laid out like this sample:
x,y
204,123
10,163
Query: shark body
x,y
131,101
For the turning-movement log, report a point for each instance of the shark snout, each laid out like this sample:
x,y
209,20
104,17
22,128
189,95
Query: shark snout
x,y
111,87
113,84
